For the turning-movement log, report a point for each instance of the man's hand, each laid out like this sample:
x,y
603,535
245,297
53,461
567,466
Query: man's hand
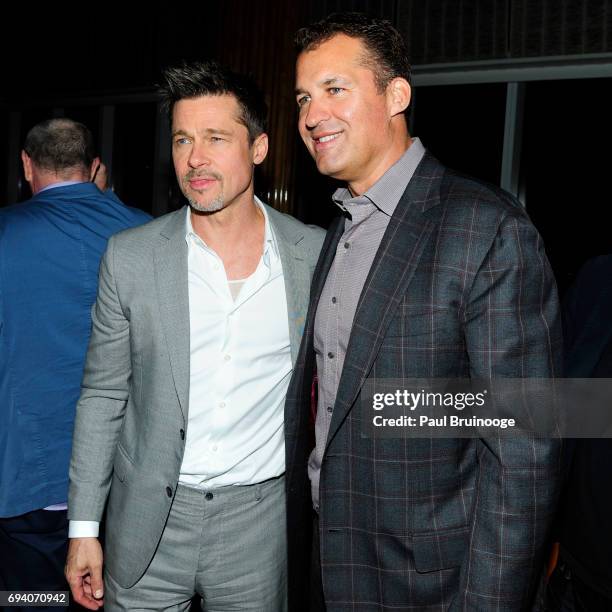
x,y
84,572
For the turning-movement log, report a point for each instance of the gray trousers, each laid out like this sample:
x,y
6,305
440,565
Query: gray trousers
x,y
229,545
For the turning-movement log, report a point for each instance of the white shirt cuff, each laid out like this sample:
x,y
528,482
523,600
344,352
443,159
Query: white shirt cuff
x,y
83,529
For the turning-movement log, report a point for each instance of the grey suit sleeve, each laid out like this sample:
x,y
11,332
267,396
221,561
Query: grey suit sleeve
x,y
103,399
512,329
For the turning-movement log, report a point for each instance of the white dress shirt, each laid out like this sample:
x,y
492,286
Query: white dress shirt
x,y
240,367
239,370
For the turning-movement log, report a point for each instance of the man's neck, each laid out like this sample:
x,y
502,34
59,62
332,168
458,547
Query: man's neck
x,y
235,233
42,180
399,144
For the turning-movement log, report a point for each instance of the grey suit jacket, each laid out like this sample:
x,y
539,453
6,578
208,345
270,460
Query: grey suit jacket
x,y
129,434
460,288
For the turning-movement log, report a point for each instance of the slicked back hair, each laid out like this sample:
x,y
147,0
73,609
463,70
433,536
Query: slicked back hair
x,y
60,144
195,79
387,55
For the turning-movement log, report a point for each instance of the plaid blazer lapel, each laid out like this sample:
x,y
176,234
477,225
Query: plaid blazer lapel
x,y
391,272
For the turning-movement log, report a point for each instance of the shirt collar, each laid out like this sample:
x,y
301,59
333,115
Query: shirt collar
x,y
270,247
60,184
386,193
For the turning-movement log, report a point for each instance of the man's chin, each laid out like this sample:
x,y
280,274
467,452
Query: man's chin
x,y
201,207
331,170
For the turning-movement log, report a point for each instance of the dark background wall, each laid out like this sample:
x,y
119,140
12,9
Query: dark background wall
x,y
99,64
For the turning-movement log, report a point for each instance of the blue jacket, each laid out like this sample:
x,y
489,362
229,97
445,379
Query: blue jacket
x,y
50,250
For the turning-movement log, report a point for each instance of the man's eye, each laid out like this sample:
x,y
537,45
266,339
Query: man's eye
x,y
302,100
181,141
216,139
335,90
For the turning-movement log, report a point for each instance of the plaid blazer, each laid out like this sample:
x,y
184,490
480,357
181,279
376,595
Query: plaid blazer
x,y
460,287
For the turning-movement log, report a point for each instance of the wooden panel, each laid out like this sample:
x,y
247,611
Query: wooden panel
x,y
256,38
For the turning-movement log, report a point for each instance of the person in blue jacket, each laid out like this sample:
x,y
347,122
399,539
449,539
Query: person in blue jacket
x,y
50,250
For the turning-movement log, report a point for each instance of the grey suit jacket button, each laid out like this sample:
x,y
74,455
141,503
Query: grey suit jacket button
x,y
209,496
182,432
168,491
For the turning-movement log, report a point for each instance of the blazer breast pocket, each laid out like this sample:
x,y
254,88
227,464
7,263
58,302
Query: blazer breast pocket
x,y
423,327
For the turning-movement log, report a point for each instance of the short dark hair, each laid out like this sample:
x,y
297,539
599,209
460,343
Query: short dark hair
x,y
60,144
192,80
388,56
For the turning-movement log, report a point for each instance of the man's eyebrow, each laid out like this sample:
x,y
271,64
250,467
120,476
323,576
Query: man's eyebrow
x,y
213,131
207,131
334,80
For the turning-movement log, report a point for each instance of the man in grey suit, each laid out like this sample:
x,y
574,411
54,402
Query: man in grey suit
x,y
197,323
426,274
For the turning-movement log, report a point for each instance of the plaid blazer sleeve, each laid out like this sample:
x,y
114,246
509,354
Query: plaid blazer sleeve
x,y
512,329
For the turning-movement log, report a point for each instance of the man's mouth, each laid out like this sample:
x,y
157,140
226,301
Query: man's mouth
x,y
323,141
201,182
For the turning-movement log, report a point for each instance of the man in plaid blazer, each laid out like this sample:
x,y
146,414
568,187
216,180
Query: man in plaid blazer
x,y
426,274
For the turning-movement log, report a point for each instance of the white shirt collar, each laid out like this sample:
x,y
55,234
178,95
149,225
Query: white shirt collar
x,y
270,247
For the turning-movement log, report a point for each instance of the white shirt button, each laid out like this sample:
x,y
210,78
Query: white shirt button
x,y
227,357
222,405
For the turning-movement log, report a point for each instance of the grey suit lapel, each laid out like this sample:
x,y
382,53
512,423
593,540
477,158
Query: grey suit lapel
x,y
393,268
170,261
328,252
296,275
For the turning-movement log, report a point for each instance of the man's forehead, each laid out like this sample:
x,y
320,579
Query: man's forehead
x,y
339,46
334,58
222,108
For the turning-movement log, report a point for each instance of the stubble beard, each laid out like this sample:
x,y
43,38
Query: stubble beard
x,y
213,206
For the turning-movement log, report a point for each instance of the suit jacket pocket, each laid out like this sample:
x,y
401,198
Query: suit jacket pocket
x,y
122,465
438,550
422,326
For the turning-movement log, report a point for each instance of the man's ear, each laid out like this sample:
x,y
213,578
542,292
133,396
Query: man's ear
x,y
398,95
260,149
27,166
93,169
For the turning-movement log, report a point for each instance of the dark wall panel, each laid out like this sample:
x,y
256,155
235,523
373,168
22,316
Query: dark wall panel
x,y
560,27
439,31
454,30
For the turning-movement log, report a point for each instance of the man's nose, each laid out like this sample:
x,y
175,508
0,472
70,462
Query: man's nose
x,y
316,113
199,156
